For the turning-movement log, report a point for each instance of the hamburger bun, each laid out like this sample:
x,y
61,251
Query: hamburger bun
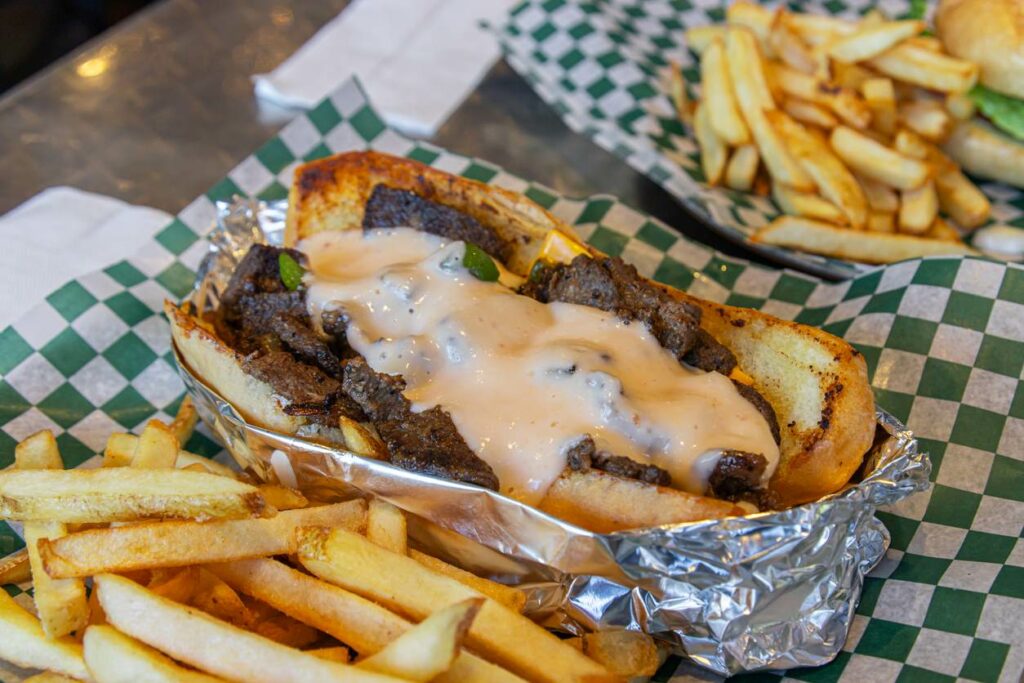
x,y
989,33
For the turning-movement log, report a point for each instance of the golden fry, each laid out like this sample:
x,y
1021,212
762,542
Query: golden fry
x,y
157,447
809,113
385,526
507,638
927,69
742,168
713,151
918,208
869,158
867,247
872,40
807,205
717,95
927,118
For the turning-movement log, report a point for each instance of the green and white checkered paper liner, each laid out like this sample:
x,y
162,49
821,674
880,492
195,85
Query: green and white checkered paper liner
x,y
944,341
602,65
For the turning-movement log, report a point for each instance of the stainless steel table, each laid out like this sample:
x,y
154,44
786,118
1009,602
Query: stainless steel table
x,y
158,109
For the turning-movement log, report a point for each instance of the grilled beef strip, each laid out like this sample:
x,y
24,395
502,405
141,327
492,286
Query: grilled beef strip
x,y
583,455
267,323
427,441
613,285
391,208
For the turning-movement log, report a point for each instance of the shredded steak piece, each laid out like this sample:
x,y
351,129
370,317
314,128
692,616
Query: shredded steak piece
x,y
391,208
307,346
710,356
302,385
736,475
427,441
613,285
583,455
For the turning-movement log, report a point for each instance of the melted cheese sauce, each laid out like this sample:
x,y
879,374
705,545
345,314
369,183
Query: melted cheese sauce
x,y
523,380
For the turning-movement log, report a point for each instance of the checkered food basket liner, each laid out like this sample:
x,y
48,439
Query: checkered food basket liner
x,y
602,65
944,341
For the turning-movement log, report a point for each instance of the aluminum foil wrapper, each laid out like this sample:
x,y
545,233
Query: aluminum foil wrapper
x,y
768,591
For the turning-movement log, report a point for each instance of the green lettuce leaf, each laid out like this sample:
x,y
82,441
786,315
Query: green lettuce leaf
x,y
1007,113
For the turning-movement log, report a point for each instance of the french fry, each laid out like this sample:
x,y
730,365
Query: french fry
x,y
38,452
747,71
123,495
62,604
282,629
880,95
282,497
926,118
681,102
881,198
809,113
910,144
818,29
845,103
851,76
185,421
113,657
941,230
927,69
157,447
120,450
185,458
186,634
338,653
179,543
880,221
428,649
807,205
507,638
121,447
216,598
360,440
50,677
918,208
354,620
15,568
626,653
789,48
385,526
742,168
867,247
758,20
930,43
24,643
713,151
513,598
177,584
960,199
960,106
874,160
698,38
873,39
834,180
722,110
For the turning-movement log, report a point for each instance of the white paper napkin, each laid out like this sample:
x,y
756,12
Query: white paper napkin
x,y
417,58
63,233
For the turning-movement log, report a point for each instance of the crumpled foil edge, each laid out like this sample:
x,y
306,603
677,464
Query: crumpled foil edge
x,y
773,590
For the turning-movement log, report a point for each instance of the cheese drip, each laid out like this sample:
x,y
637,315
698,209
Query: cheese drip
x,y
523,380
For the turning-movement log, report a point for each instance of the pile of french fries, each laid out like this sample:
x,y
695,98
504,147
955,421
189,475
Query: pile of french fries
x,y
839,122
162,565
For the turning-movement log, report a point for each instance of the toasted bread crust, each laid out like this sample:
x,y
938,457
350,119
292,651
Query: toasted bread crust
x,y
330,194
816,382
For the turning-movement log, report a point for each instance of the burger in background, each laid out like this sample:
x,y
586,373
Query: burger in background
x,y
991,34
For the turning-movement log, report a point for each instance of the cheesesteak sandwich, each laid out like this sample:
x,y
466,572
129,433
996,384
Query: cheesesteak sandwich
x,y
459,330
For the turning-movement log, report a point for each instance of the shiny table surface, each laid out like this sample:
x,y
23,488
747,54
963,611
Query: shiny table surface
x,y
159,108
